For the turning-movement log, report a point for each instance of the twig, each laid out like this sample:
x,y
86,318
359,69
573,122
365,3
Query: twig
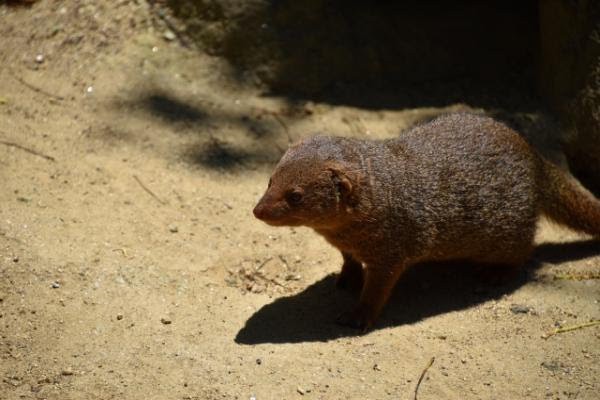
x,y
273,281
35,88
30,151
182,40
429,364
578,277
123,251
284,125
262,264
150,192
570,328
277,117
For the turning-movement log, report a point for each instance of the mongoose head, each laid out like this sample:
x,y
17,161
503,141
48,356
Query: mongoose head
x,y
307,188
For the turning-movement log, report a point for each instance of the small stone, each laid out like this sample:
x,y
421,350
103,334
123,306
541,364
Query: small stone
x,y
55,285
256,288
119,317
376,367
258,361
552,365
89,90
173,229
15,259
519,309
464,361
67,372
300,390
39,58
169,35
165,321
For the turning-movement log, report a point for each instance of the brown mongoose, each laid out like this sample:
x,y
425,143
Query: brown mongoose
x,y
460,187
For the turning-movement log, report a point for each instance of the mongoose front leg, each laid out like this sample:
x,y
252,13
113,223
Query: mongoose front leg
x,y
378,284
351,276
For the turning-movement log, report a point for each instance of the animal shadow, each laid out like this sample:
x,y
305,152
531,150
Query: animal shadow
x,y
424,291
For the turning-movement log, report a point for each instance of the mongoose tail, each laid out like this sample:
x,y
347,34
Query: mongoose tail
x,y
566,201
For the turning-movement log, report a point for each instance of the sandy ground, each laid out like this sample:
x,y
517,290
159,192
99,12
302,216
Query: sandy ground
x,y
131,266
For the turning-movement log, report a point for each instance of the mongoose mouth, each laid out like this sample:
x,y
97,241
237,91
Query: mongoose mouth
x,y
268,216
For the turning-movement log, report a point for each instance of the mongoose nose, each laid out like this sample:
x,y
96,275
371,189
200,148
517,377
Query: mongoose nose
x,y
259,211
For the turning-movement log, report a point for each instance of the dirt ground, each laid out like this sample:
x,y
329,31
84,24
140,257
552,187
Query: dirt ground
x,y
131,266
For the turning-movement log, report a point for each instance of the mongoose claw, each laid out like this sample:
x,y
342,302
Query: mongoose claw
x,y
356,319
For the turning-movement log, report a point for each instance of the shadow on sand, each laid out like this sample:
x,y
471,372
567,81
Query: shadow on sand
x,y
424,291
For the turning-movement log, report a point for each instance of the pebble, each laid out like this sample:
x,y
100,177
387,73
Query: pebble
x,y
173,228
55,285
119,317
165,321
300,390
169,35
258,361
39,58
66,372
15,259
519,309
551,365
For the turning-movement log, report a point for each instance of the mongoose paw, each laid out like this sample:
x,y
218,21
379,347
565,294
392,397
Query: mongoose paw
x,y
352,282
356,319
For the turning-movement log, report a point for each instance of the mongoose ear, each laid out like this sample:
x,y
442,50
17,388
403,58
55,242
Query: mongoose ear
x,y
341,181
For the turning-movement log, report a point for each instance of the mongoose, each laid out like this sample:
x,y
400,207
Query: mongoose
x,y
460,187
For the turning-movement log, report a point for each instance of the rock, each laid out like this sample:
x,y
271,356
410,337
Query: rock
x,y
39,58
519,309
67,372
119,317
169,35
553,365
55,285
165,321
173,229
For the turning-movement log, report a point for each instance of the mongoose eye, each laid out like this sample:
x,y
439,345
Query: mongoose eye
x,y
294,198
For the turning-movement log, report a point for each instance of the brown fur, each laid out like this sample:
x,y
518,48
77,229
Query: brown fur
x,y
460,187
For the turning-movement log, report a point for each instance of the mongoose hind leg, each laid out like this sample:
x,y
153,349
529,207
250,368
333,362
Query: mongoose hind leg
x,y
497,274
378,284
501,269
351,276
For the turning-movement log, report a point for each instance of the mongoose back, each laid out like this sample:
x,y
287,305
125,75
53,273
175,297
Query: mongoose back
x,y
460,187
